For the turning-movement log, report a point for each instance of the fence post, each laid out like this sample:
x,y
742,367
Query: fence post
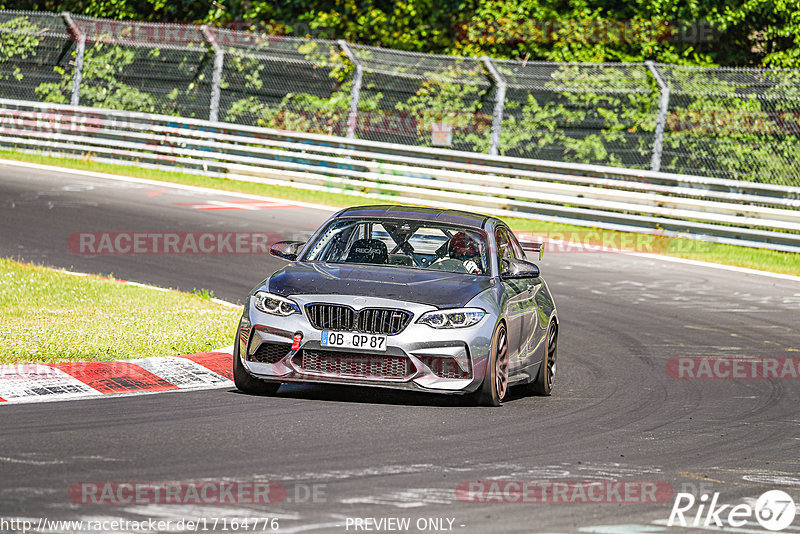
x,y
77,73
499,104
216,78
661,121
355,92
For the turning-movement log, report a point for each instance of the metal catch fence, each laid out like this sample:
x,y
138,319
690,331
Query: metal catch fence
x,y
739,124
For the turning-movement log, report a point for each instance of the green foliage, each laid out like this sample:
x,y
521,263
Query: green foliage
x,y
731,132
441,101
301,112
719,32
151,10
18,40
101,86
584,114
295,111
203,293
106,65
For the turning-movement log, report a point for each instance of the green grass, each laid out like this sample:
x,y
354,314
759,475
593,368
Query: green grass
x,y
763,259
52,316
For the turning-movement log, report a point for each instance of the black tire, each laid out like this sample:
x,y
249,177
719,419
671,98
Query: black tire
x,y
495,382
246,382
543,385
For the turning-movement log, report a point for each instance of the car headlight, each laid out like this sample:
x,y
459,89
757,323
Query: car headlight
x,y
274,304
455,318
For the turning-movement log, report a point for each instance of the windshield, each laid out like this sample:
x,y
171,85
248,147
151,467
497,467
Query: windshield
x,y
412,244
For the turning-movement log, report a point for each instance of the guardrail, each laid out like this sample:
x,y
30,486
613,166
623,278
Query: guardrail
x,y
712,209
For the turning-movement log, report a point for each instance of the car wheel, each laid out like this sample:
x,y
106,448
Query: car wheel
x,y
543,384
495,382
248,383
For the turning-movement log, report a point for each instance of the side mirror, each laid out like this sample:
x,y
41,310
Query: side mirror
x,y
515,269
288,250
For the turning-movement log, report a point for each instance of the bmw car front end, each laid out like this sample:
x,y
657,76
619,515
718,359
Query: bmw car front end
x,y
366,340
397,297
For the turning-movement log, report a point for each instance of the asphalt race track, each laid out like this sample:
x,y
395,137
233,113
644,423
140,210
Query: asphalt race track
x,y
346,453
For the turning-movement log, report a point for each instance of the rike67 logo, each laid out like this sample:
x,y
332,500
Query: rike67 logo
x,y
774,510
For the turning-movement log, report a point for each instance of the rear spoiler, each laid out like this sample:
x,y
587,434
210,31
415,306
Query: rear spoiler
x,y
532,246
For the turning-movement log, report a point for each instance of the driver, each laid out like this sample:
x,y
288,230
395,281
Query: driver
x,y
466,249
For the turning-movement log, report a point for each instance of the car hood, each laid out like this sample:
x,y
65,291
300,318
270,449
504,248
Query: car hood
x,y
440,289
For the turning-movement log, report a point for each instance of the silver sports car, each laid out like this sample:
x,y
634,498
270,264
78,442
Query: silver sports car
x,y
402,297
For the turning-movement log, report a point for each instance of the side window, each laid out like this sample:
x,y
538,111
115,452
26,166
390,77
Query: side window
x,y
517,247
505,247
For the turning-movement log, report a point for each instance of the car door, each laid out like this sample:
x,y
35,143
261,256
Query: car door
x,y
517,301
533,329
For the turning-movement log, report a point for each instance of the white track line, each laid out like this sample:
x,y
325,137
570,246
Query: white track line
x,y
322,207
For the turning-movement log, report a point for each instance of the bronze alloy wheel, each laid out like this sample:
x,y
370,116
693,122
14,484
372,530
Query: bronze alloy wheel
x,y
552,345
543,384
495,382
501,363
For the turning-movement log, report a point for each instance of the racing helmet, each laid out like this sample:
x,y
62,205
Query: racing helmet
x,y
463,246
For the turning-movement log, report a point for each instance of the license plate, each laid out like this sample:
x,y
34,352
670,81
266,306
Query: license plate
x,y
353,340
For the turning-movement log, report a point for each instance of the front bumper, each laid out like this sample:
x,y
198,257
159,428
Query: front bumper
x,y
418,358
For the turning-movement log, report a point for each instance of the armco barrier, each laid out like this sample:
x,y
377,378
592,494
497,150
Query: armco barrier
x,y
712,209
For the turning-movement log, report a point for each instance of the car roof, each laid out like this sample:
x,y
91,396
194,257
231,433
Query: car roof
x,y
418,213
